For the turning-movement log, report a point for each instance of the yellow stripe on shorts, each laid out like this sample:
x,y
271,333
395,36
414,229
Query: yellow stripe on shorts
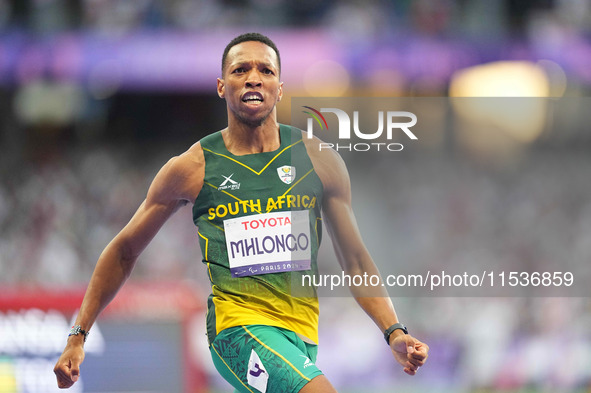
x,y
276,353
232,371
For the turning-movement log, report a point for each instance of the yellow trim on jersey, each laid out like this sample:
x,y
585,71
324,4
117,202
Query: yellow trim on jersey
x,y
246,166
232,371
276,353
206,244
215,226
205,255
316,228
209,271
227,193
296,183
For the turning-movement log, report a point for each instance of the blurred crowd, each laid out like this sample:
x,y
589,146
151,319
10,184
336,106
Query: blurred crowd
x,y
57,214
60,204
73,169
363,19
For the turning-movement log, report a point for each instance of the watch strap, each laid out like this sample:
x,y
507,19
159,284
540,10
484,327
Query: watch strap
x,y
76,330
391,329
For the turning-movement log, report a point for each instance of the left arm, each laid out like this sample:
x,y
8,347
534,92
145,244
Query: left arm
x,y
356,260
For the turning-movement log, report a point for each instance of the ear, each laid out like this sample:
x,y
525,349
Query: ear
x,y
280,92
221,88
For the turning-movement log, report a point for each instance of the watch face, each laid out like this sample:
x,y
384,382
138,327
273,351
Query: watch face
x,y
75,330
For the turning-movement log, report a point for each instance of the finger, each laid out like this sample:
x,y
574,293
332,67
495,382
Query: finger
x,y
62,376
405,344
417,355
419,346
64,385
410,371
410,344
75,371
419,362
414,362
63,379
412,367
61,372
66,374
421,351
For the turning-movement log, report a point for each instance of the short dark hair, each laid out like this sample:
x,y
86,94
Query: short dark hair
x,y
251,37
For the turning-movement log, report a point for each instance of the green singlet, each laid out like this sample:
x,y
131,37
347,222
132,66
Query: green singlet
x,y
259,229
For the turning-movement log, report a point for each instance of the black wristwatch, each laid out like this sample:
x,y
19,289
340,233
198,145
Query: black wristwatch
x,y
389,331
76,330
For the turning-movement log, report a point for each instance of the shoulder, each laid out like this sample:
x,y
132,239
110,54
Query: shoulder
x,y
328,164
187,163
182,176
213,141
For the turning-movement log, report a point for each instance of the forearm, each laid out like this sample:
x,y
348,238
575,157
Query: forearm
x,y
112,270
117,260
380,310
373,299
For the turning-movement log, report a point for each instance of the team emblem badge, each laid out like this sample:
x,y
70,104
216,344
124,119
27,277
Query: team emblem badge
x,y
287,173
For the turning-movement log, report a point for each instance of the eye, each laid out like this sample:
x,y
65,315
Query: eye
x,y
268,72
238,70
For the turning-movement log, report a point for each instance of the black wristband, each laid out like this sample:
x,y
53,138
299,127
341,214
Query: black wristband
x,y
389,331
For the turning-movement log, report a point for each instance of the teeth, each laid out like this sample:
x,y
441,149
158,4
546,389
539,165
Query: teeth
x,y
252,98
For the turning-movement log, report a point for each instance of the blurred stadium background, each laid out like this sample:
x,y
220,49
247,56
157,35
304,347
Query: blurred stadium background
x,y
96,95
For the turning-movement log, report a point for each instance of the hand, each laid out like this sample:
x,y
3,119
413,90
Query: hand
x,y
409,352
67,368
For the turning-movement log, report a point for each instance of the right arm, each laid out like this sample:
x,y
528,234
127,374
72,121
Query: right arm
x,y
354,257
177,183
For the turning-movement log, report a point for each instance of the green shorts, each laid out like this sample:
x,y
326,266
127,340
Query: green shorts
x,y
266,359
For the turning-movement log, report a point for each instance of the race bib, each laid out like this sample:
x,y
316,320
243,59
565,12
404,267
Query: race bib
x,y
268,243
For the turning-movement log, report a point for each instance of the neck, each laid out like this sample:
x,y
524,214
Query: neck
x,y
241,138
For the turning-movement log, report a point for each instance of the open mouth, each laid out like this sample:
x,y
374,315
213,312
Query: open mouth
x,y
252,98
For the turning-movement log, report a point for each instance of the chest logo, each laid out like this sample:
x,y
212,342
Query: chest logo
x,y
229,183
287,173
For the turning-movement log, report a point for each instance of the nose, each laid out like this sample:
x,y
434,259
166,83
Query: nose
x,y
254,79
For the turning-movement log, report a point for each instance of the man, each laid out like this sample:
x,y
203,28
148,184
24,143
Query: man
x,y
254,174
